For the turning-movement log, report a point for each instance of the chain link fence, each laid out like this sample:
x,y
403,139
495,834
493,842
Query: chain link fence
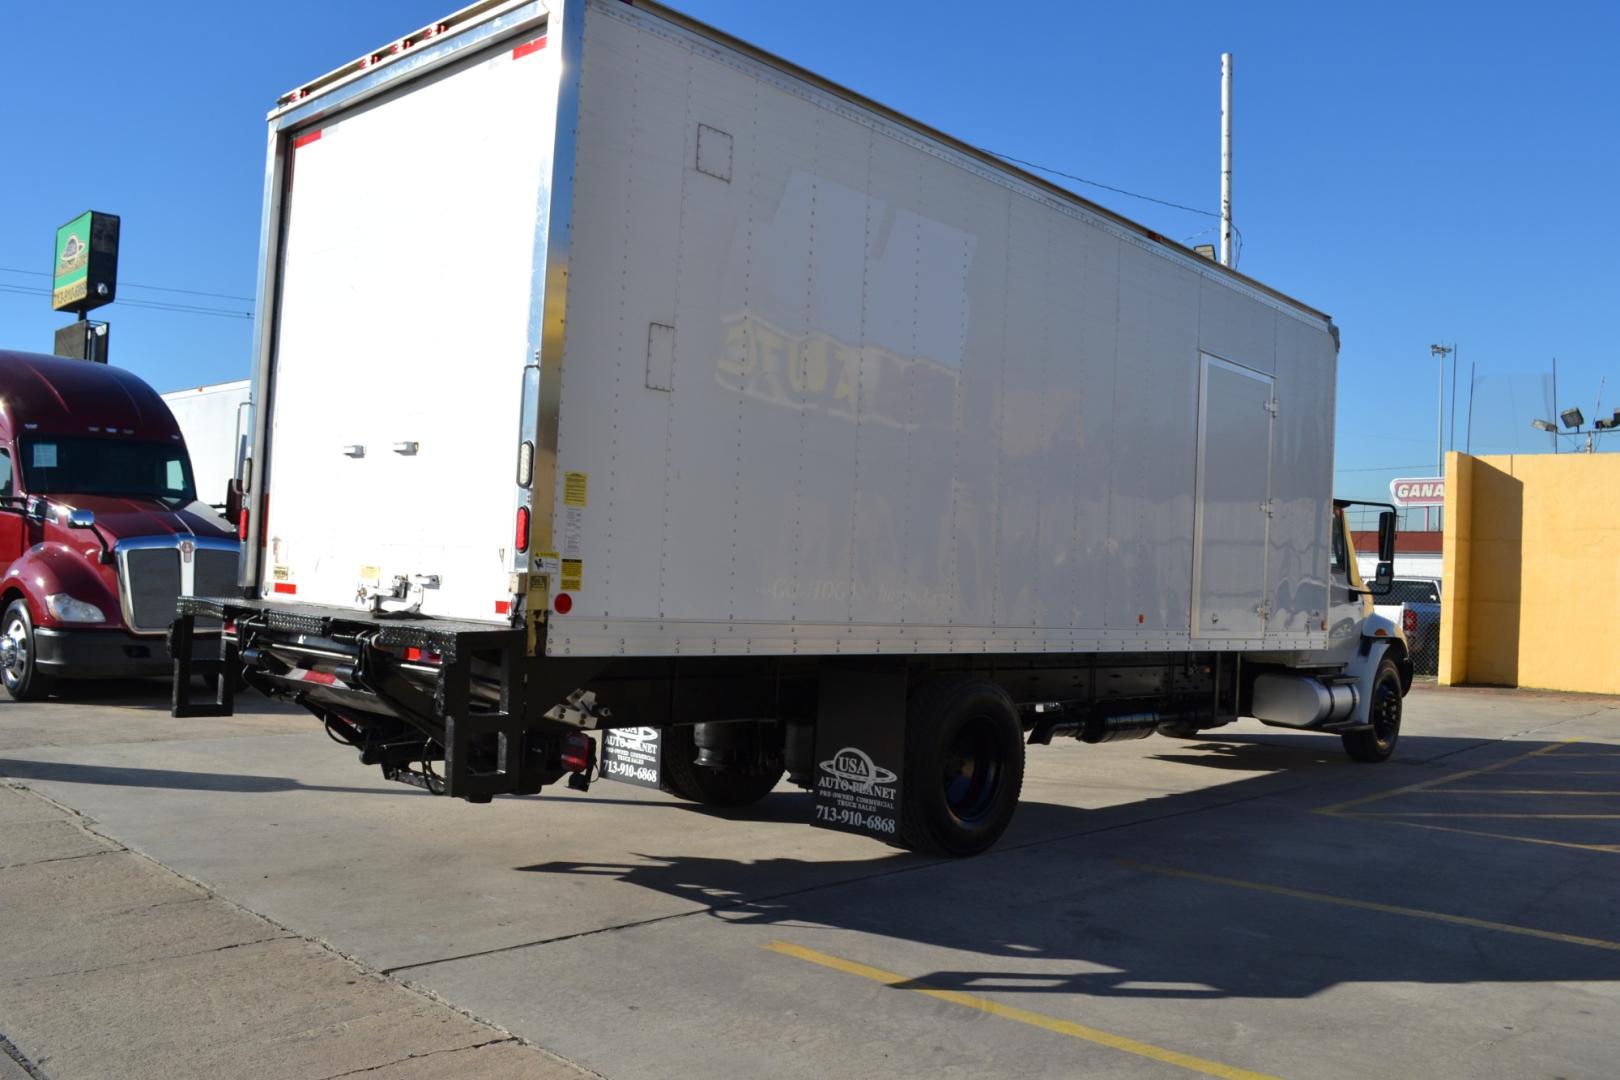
x,y
1414,603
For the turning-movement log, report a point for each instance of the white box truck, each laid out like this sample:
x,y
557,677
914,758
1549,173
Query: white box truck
x,y
621,387
212,420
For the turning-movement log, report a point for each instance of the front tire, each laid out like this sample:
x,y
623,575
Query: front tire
x,y
1385,713
964,767
19,660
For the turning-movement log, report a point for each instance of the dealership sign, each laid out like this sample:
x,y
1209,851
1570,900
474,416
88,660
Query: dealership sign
x,y
1418,491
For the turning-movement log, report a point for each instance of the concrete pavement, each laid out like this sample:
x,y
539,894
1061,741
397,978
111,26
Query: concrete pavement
x,y
1250,902
114,966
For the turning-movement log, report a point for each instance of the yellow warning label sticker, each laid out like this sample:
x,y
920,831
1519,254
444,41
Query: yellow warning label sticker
x,y
281,573
575,488
573,572
370,575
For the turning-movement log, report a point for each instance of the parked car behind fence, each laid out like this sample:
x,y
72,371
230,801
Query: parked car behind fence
x,y
1414,604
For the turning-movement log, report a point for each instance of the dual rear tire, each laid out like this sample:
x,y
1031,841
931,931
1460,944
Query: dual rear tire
x,y
964,767
709,785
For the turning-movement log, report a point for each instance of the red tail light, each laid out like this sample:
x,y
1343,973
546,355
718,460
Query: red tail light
x,y
578,752
242,526
1409,621
521,540
422,656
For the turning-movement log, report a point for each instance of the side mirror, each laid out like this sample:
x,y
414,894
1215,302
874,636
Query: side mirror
x,y
233,503
82,519
1386,537
1383,578
37,508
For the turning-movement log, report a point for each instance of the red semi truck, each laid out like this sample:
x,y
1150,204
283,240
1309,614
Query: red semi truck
x,y
100,525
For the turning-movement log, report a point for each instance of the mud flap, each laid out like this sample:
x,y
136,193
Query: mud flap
x,y
634,755
860,751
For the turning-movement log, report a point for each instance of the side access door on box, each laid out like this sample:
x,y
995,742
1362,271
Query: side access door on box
x,y
1232,503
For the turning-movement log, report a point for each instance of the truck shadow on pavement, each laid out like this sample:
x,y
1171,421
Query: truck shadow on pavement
x,y
1274,886
1272,751
68,772
146,694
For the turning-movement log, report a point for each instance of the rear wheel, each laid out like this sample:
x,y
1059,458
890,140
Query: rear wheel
x,y
738,784
1384,711
964,767
19,666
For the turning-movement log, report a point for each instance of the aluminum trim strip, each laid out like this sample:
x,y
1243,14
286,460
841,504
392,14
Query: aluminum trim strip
x,y
567,27
570,636
367,83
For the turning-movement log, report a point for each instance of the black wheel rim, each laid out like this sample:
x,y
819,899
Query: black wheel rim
x,y
972,771
1386,712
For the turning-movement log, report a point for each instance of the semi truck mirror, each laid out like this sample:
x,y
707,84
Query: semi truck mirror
x,y
233,503
82,519
36,508
1383,579
1386,536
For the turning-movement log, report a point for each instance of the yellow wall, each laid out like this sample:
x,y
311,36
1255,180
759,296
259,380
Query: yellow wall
x,y
1531,592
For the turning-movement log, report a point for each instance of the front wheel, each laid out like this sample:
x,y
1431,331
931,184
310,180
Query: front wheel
x,y
1385,713
19,661
964,767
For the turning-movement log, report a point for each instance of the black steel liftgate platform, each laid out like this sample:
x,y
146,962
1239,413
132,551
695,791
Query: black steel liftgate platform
x,y
401,688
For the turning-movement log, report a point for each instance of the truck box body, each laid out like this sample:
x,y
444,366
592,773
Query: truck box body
x,y
799,376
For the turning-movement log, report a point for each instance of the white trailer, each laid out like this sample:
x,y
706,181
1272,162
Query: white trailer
x,y
614,374
211,419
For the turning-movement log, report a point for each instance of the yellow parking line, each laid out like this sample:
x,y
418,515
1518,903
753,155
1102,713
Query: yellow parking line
x,y
1514,791
1610,849
1339,808
1369,905
1473,814
1566,772
1023,1016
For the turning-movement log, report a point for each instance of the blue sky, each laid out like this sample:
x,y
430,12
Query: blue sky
x,y
1424,172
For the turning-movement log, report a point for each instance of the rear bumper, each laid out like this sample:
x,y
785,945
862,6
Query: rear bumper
x,y
99,654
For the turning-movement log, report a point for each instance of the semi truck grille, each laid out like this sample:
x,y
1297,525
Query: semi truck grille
x,y
153,574
215,575
152,582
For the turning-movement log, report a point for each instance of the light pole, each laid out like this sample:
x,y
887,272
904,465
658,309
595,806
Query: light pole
x,y
1440,352
1227,252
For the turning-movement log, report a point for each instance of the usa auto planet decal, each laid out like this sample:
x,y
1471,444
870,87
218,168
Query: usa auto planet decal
x,y
853,791
631,755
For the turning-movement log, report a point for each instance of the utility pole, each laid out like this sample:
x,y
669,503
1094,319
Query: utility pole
x,y
1440,352
1473,377
1226,159
1456,358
